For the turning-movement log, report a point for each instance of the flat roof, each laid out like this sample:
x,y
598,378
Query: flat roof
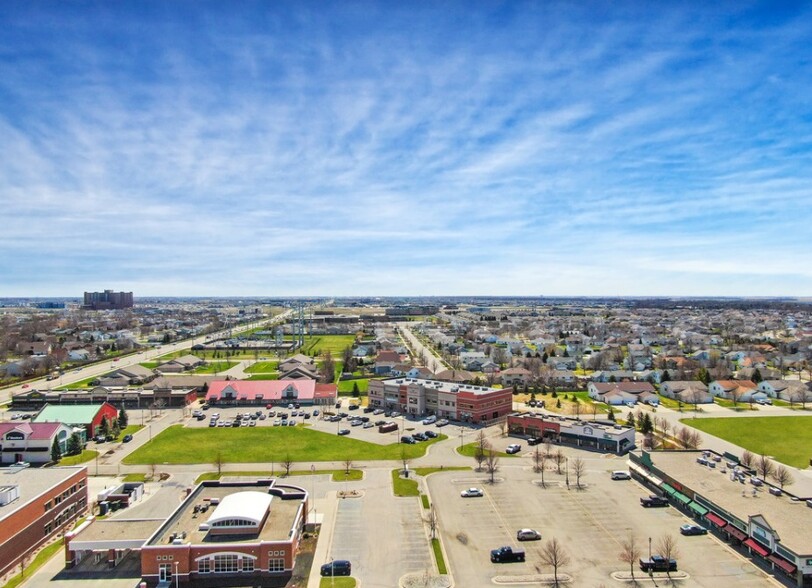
x,y
452,387
32,482
119,530
72,414
790,519
277,525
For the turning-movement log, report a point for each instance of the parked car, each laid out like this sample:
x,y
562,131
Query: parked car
x,y
621,475
407,439
654,501
690,529
419,436
657,563
472,493
527,535
338,567
534,440
513,448
764,401
368,425
430,420
127,438
441,423
430,434
344,432
506,554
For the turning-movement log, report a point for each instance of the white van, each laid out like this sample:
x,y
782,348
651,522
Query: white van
x,y
621,475
430,420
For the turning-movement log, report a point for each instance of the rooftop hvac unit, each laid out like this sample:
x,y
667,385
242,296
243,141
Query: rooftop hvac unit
x,y
9,494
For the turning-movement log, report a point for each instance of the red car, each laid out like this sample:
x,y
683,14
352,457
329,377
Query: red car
x,y
25,385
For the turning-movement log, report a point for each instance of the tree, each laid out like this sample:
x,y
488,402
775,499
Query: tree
x,y
667,547
491,463
74,444
783,476
404,459
104,428
665,377
630,554
747,459
683,436
559,458
540,463
646,425
327,371
56,451
218,463
611,414
695,440
756,377
630,421
481,449
665,428
115,431
554,555
704,376
347,466
433,521
736,394
764,467
578,470
123,419
286,463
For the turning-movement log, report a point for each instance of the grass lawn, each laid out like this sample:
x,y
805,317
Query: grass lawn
x,y
438,556
786,438
337,582
214,367
335,344
424,500
264,444
346,386
85,456
264,377
738,406
80,384
135,478
404,486
41,558
150,365
469,449
262,367
337,475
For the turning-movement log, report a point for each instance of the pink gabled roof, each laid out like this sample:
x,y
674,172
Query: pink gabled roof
x,y
268,389
32,430
326,391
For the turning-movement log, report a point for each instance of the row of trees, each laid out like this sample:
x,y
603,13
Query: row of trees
x,y
767,469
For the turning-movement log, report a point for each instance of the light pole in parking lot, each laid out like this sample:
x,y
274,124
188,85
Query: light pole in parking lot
x,y
462,431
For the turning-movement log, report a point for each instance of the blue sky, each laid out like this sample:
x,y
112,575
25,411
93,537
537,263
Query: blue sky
x,y
294,148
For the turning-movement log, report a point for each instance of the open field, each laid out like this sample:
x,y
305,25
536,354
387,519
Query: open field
x,y
335,344
214,367
786,438
178,444
346,386
263,367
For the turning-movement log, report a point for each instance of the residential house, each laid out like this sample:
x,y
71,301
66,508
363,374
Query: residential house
x,y
473,360
184,363
686,391
454,376
788,390
78,355
623,392
516,376
737,390
562,363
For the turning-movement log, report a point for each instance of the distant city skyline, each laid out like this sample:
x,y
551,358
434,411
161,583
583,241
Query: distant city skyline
x,y
369,149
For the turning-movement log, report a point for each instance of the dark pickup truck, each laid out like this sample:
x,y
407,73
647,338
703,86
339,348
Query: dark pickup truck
x,y
653,500
657,563
506,555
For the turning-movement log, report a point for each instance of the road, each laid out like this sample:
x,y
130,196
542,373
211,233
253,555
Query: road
x,y
435,364
104,367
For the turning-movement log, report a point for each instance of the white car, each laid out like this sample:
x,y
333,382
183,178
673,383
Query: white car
x,y
513,448
441,423
621,475
527,535
472,493
430,420
763,401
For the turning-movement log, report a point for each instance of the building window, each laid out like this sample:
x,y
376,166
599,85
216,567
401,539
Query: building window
x,y
204,566
225,563
247,565
276,565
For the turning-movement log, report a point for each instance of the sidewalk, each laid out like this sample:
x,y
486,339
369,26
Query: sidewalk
x,y
326,509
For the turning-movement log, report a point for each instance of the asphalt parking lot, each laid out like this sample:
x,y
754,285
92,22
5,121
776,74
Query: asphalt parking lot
x,y
406,426
591,524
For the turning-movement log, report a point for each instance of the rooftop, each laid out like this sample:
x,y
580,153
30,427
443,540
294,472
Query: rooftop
x,y
73,414
791,519
277,526
32,482
440,386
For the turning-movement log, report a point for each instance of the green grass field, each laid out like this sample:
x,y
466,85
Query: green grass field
x,y
214,367
335,344
469,449
85,456
404,486
264,444
262,367
787,439
345,386
337,582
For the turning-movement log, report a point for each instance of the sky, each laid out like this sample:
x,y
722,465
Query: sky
x,y
419,148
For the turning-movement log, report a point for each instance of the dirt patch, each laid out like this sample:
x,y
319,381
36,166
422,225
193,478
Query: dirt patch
x,y
304,561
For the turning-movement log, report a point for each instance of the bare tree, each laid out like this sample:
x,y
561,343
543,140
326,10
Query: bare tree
x,y
764,467
404,459
559,459
783,476
481,449
747,459
578,470
665,429
554,555
548,447
218,463
491,463
432,520
684,437
348,466
736,395
695,440
667,546
630,553
651,441
286,463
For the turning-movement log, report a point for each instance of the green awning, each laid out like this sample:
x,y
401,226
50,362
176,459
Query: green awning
x,y
668,489
681,497
698,509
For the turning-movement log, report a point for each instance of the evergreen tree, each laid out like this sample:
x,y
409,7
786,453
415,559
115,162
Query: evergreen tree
x,y
123,419
558,403
355,391
56,451
104,429
703,376
74,444
646,426
631,421
544,357
665,377
115,430
566,353
611,415
756,378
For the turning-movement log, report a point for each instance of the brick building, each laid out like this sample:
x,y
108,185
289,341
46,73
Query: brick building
x,y
461,402
37,505
87,416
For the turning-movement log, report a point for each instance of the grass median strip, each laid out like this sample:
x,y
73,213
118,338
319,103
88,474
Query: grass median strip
x,y
39,560
469,450
264,445
438,556
337,475
340,582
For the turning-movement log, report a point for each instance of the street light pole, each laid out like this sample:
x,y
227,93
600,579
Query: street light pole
x,y
177,576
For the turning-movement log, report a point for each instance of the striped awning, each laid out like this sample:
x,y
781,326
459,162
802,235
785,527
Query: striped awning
x,y
698,508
